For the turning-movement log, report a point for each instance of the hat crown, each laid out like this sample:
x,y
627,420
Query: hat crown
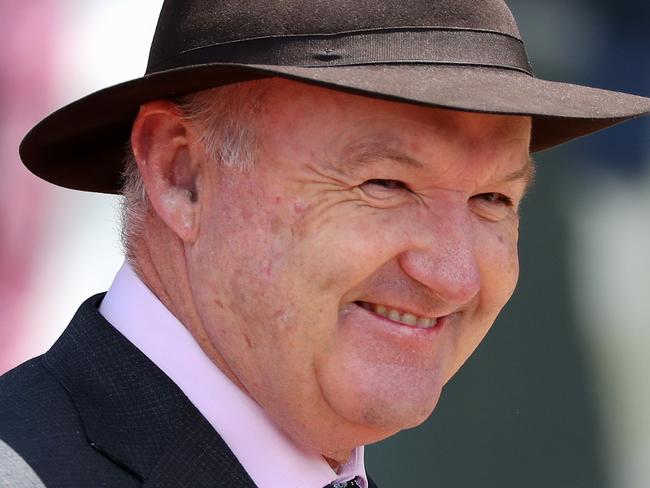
x,y
457,54
191,24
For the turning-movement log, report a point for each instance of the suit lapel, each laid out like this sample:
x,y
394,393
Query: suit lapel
x,y
133,413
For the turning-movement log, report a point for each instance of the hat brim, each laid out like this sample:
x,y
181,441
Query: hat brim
x,y
81,145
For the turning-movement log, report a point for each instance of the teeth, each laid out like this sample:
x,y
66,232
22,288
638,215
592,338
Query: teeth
x,y
425,323
403,318
409,319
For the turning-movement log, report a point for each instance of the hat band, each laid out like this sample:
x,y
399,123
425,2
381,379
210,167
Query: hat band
x,y
387,46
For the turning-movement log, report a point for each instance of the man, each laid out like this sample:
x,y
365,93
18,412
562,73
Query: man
x,y
321,226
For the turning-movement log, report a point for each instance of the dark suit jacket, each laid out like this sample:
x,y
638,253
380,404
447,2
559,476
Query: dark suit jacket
x,y
95,412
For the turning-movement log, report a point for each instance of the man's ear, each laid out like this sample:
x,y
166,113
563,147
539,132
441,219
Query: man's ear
x,y
162,143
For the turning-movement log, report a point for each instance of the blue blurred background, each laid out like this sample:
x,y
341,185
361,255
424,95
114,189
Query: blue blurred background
x,y
557,395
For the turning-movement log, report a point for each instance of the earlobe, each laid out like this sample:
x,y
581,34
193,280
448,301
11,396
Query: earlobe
x,y
162,144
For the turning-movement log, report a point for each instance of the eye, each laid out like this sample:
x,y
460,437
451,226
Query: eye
x,y
385,192
495,198
387,184
492,206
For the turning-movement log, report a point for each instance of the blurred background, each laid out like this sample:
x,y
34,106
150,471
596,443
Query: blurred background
x,y
557,395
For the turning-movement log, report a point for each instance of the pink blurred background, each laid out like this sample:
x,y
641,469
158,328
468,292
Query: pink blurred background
x,y
54,51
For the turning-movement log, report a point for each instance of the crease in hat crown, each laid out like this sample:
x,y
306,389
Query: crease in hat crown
x,y
184,25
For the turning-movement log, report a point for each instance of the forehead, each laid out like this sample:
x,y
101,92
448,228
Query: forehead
x,y
296,104
357,127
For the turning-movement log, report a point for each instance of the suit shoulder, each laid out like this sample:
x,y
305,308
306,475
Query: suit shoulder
x,y
33,405
40,422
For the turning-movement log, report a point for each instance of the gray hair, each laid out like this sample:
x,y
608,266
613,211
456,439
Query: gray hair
x,y
225,118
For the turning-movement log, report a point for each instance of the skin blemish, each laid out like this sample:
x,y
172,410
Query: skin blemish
x,y
248,341
501,239
415,147
280,313
300,207
277,225
278,200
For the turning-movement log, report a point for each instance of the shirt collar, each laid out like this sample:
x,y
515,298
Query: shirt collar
x,y
136,313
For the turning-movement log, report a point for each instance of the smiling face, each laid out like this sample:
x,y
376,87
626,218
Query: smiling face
x,y
345,278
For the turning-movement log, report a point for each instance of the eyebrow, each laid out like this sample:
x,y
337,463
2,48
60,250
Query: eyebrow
x,y
368,153
526,174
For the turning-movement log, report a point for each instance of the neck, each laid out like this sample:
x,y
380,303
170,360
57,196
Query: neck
x,y
162,268
159,261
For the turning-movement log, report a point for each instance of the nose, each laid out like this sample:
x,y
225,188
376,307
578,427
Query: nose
x,y
444,258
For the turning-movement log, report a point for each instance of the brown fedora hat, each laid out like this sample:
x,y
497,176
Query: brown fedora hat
x,y
457,54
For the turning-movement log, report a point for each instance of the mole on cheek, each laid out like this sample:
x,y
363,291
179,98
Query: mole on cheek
x,y
501,239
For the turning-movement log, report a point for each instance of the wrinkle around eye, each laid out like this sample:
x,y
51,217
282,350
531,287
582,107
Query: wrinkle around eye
x,y
493,206
385,190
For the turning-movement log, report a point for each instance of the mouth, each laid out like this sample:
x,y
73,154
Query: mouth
x,y
399,316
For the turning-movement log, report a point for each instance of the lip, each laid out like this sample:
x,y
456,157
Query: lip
x,y
401,310
398,327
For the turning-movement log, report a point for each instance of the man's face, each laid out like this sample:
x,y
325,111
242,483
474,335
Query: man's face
x,y
345,278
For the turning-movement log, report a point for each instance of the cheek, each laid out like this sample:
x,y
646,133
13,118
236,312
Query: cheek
x,y
499,265
261,268
233,261
342,248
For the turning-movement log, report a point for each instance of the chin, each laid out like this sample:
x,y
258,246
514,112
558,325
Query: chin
x,y
345,426
384,413
400,416
383,398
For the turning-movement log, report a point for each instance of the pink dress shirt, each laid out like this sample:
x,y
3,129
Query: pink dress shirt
x,y
269,456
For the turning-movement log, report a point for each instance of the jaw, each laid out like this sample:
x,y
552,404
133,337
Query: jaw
x,y
382,375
